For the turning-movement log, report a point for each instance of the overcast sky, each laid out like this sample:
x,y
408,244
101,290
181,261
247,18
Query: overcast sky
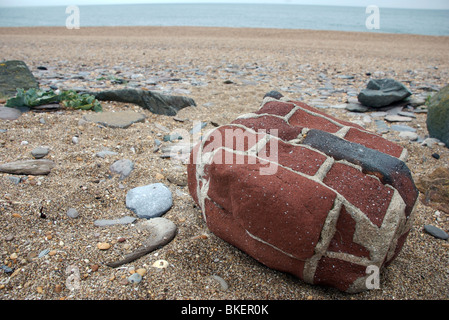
x,y
420,4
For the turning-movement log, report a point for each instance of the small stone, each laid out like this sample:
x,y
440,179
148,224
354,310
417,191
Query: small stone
x,y
73,213
94,267
7,113
397,118
149,201
135,278
103,245
58,288
160,264
436,232
436,155
40,290
39,152
122,167
43,253
141,271
28,167
407,135
13,256
75,140
110,222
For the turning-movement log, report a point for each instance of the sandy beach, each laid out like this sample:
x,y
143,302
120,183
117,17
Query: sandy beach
x,y
227,72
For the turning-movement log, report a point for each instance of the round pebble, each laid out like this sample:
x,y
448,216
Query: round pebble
x,y
436,232
73,213
160,264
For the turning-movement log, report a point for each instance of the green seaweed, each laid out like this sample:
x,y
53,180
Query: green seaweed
x,y
70,99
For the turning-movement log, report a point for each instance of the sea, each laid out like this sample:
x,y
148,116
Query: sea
x,y
282,16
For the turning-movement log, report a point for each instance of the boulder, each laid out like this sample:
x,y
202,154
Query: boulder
x,y
438,115
305,193
155,102
383,92
14,74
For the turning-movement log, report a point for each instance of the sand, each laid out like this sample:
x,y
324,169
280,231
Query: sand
x,y
198,61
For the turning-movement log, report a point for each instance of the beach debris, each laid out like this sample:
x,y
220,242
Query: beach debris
x,y
438,115
157,103
28,167
383,92
341,181
160,231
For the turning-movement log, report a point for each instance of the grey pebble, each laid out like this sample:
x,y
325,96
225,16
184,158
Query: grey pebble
x,y
436,232
73,213
149,201
43,253
122,167
104,153
110,222
135,278
39,152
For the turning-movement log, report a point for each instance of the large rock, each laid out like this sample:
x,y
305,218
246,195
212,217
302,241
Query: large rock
x,y
438,115
383,92
155,102
305,193
14,74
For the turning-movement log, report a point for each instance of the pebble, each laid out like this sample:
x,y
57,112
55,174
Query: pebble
x,y
436,232
43,253
103,245
160,264
122,167
39,152
223,284
110,222
73,213
397,118
75,140
436,155
104,153
149,201
135,278
408,135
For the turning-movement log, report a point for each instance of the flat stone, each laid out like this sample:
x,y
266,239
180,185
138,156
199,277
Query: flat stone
x,y
408,135
73,213
105,153
28,167
7,113
436,232
397,118
122,119
123,167
111,222
149,201
402,128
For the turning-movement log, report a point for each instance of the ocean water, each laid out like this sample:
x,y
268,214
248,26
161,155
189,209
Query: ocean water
x,y
283,16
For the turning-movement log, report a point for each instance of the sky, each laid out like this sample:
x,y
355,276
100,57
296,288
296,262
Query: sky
x,y
415,4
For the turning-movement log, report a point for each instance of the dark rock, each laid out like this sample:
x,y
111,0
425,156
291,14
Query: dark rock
x,y
153,101
438,116
436,232
273,94
436,155
383,92
14,75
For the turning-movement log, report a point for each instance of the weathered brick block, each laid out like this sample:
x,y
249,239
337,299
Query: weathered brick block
x,y
305,193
